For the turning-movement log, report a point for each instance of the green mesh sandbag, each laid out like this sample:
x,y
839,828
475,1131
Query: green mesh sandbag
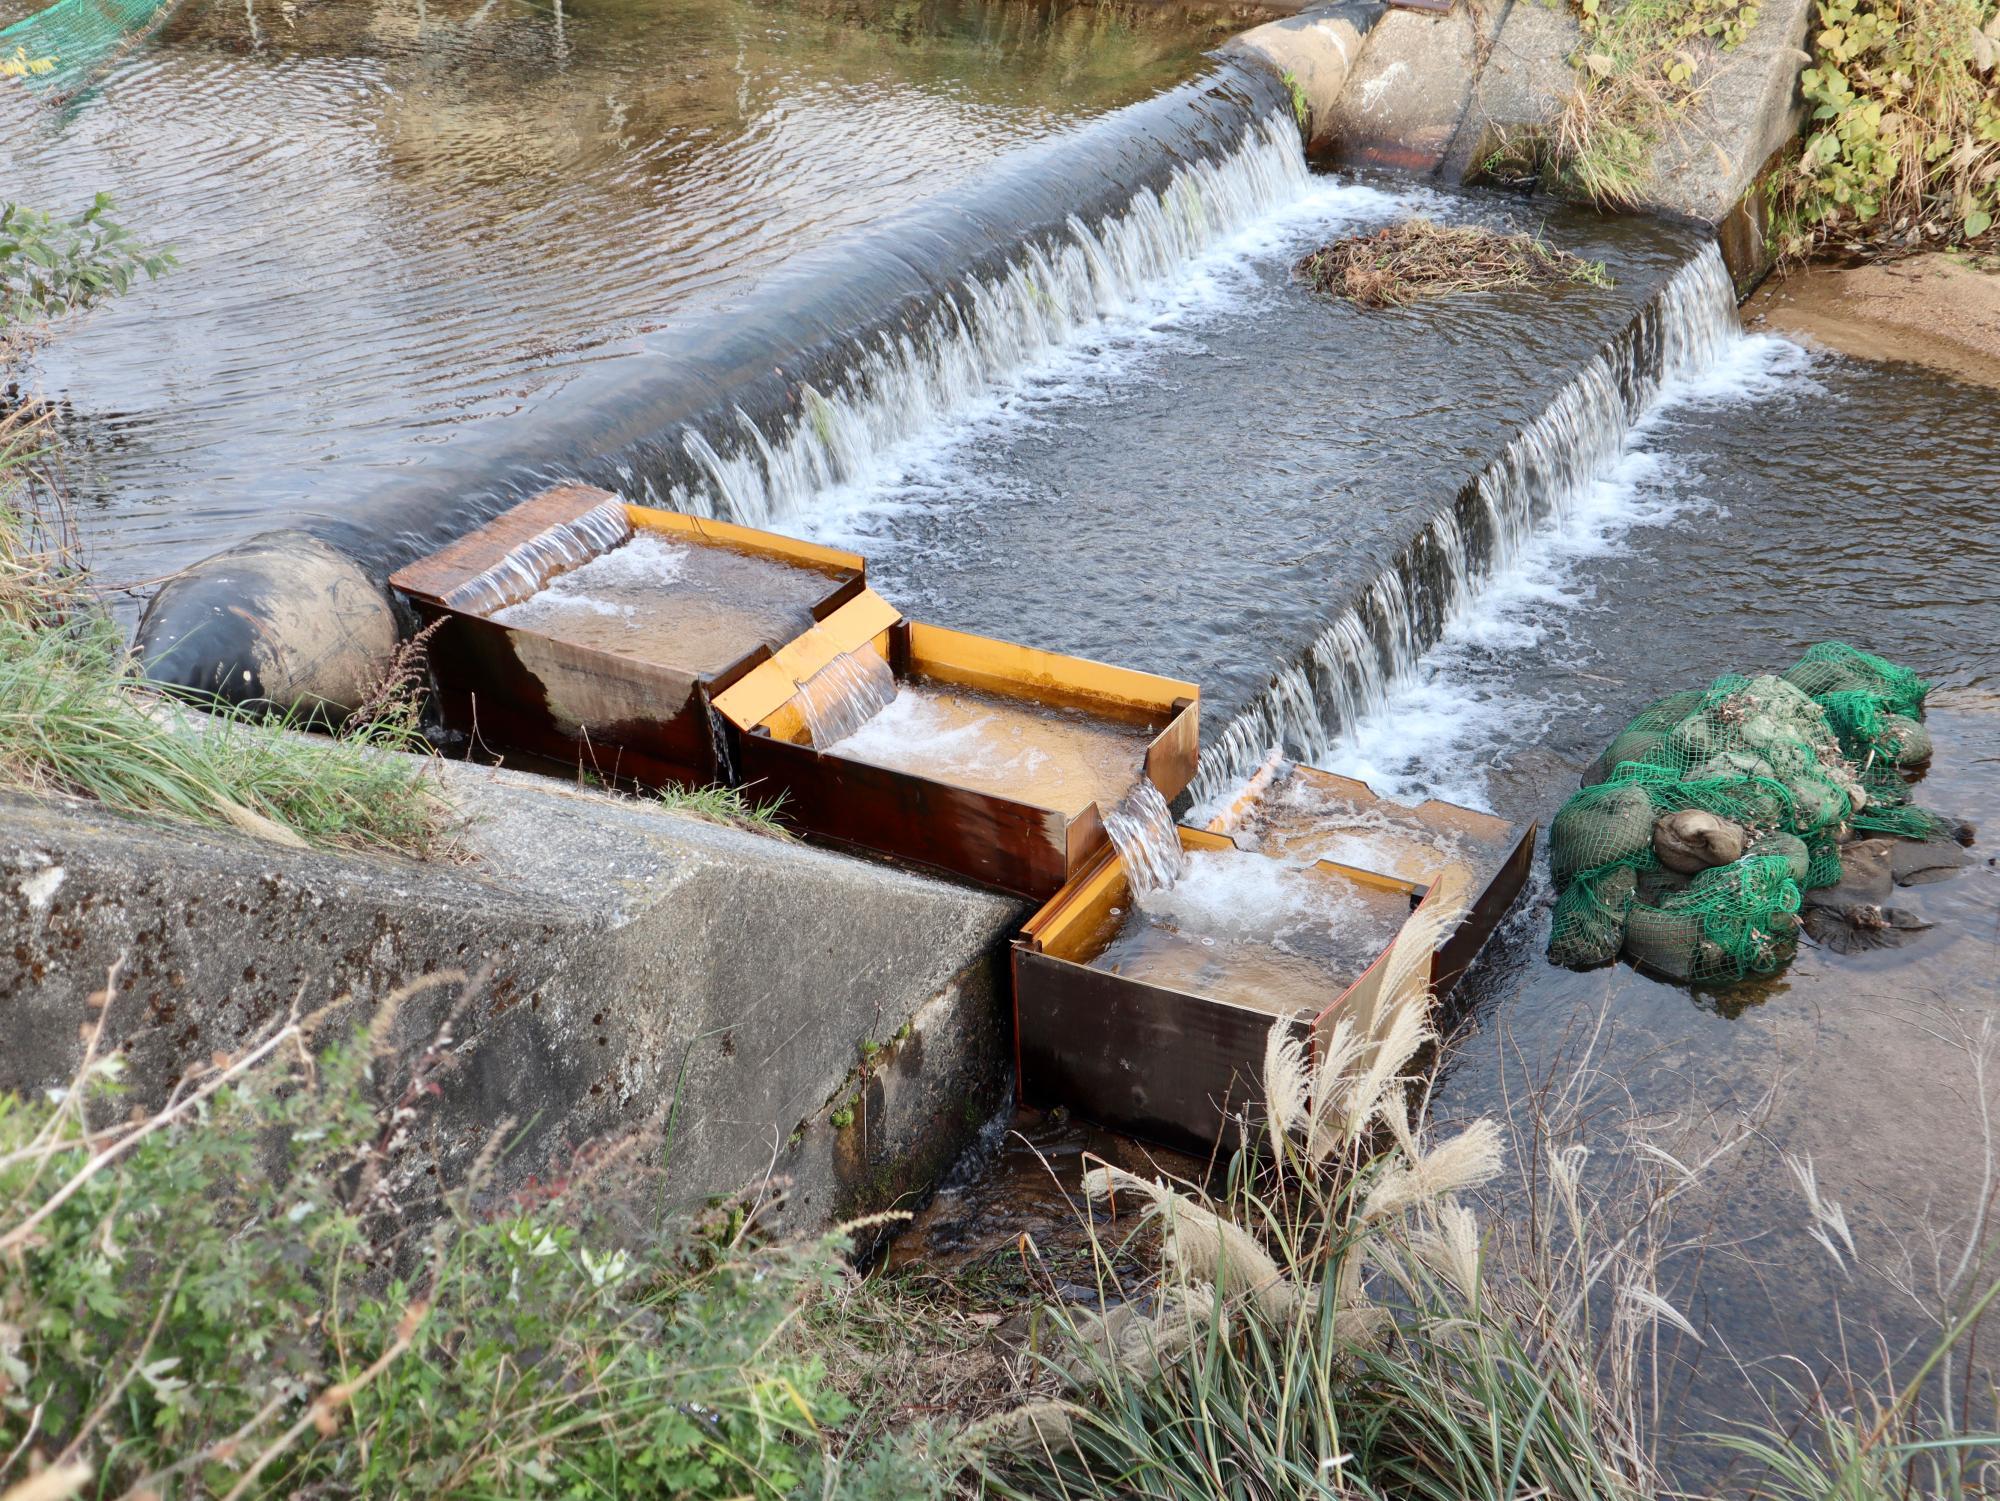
x,y
1835,667
1647,729
1607,825
1589,927
1872,718
1727,924
58,50
1792,850
1793,762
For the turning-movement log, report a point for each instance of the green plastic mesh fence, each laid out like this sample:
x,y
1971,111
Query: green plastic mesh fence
x,y
58,51
1709,814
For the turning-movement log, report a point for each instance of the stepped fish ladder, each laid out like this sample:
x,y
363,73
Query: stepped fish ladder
x,y
1351,668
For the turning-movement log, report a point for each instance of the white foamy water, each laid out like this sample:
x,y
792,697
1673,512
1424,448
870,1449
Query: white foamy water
x,y
1430,726
529,564
1224,897
845,695
1060,322
644,563
1568,484
1142,828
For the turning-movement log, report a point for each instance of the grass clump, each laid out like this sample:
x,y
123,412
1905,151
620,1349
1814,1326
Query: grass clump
x,y
1335,1319
1421,259
74,719
237,1296
728,805
1640,69
1903,138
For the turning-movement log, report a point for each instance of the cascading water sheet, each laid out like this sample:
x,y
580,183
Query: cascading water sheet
x,y
1142,829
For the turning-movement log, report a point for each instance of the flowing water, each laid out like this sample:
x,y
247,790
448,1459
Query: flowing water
x,y
696,606
1141,827
1044,755
844,695
1277,938
436,253
530,564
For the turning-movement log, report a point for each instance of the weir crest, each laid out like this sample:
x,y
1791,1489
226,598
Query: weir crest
x,y
1349,671
985,331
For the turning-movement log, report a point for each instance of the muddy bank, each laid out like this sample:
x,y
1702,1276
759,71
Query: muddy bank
x,y
1932,310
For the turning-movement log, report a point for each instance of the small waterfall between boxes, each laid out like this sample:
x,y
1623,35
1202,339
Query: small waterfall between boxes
x,y
1142,830
844,695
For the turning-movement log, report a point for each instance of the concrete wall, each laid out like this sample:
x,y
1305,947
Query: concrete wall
x,y
642,968
1434,92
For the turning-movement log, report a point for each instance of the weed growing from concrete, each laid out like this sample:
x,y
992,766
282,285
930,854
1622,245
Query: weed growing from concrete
x,y
74,720
728,805
1420,259
1641,67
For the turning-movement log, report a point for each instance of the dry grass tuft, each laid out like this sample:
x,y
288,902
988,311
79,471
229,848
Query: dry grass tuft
x,y
1419,259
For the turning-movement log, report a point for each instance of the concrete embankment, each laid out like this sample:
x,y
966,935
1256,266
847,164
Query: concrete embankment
x,y
1441,92
642,971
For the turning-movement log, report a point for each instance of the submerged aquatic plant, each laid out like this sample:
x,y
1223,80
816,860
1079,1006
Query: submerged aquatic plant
x,y
1419,259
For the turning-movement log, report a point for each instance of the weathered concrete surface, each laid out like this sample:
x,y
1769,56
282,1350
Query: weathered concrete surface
x,y
1525,79
1313,52
1749,109
1429,92
646,971
1407,92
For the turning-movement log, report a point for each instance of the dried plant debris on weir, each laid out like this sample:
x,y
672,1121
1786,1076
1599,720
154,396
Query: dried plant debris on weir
x,y
1418,258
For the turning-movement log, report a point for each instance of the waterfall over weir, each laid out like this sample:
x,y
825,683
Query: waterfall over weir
x,y
1351,667
992,327
749,412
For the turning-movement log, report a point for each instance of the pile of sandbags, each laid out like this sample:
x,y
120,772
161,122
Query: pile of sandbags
x,y
1709,815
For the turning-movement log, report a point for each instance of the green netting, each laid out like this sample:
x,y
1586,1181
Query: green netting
x,y
60,49
1714,808
1834,666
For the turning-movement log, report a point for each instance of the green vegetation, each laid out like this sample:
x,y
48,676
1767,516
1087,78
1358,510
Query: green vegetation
x,y
1903,142
728,805
224,1299
241,1294
74,720
1641,67
1301,106
1419,259
51,266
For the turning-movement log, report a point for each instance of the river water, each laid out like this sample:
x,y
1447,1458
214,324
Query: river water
x,y
399,220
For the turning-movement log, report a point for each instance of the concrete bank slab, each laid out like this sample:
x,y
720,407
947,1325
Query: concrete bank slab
x,y
644,970
1430,92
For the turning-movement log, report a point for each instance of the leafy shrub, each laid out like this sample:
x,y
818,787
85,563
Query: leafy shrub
x,y
237,1297
51,266
1904,136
